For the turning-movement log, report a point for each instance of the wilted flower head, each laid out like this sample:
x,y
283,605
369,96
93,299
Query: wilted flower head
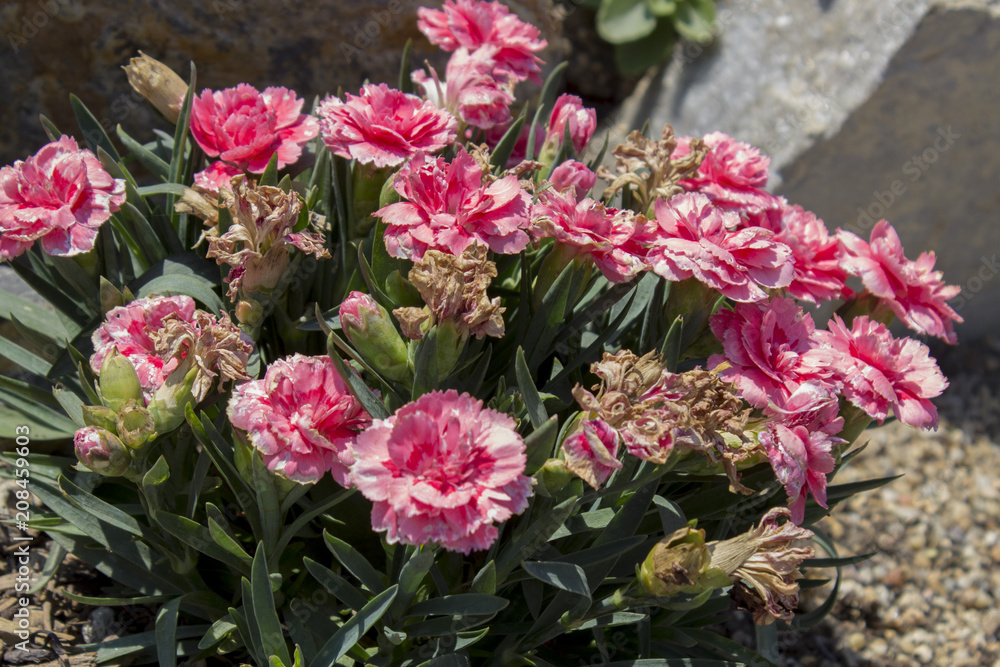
x,y
162,336
246,128
679,563
256,243
817,257
913,290
573,174
581,121
159,84
473,24
383,126
650,167
732,173
471,91
603,234
591,453
449,208
442,470
765,566
881,372
302,418
767,348
454,289
60,197
689,237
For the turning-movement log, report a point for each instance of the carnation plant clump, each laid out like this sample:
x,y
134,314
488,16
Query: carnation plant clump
x,y
428,377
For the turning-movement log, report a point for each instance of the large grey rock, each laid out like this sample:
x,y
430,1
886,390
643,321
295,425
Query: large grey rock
x,y
868,110
51,48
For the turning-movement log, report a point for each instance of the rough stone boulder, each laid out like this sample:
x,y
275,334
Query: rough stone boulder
x,y
869,110
54,47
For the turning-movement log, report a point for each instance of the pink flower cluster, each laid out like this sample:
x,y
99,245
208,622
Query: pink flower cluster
x,y
130,330
733,174
471,90
570,114
448,208
244,128
781,363
302,418
442,469
383,126
60,197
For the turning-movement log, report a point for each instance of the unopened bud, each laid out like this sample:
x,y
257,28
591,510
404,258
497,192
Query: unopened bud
x,y
553,477
135,425
119,381
170,401
159,84
101,451
370,329
249,311
99,415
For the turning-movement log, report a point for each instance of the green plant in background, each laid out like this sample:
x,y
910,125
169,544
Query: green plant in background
x,y
644,32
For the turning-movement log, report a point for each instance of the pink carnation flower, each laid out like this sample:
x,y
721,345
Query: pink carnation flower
x,y
442,470
302,418
473,24
732,175
817,256
129,329
60,197
800,440
604,234
246,128
573,174
692,238
448,208
383,126
767,346
592,452
471,91
217,176
913,290
570,112
881,372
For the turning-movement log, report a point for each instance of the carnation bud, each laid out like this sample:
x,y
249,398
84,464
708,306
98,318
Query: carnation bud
x,y
553,477
99,415
680,563
101,451
159,84
170,401
249,311
119,381
370,329
134,425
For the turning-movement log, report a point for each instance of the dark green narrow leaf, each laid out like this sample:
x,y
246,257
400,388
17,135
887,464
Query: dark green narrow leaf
x,y
336,585
545,103
270,175
536,411
566,576
100,509
538,445
51,131
425,366
150,160
463,604
166,633
504,147
405,67
93,132
271,636
352,631
355,563
361,391
671,348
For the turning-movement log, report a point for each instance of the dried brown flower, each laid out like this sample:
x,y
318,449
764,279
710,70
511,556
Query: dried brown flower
x,y
454,289
157,83
647,166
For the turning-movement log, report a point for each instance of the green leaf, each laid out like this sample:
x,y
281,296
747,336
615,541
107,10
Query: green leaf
x,y
29,361
533,402
303,520
412,575
100,509
635,57
694,20
602,552
671,348
116,602
538,445
272,638
425,366
202,538
503,149
543,325
485,580
406,67
662,7
336,585
93,132
51,131
533,539
449,660
546,100
225,540
268,505
566,576
621,21
219,630
463,604
34,316
270,175
163,189
354,629
166,633
361,391
355,563
150,160
158,474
